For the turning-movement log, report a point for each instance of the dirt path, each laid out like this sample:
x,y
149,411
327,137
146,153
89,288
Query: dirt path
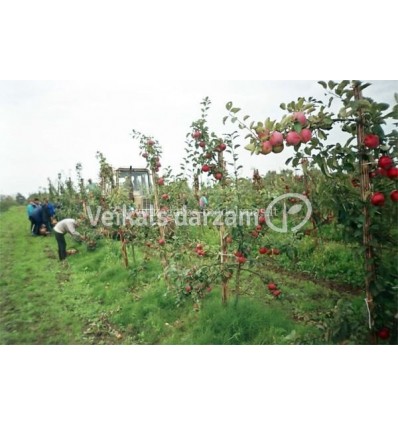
x,y
329,284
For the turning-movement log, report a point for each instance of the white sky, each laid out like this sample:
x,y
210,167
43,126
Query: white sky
x,y
78,79
47,127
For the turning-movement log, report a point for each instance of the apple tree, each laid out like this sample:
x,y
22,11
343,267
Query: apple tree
x,y
367,156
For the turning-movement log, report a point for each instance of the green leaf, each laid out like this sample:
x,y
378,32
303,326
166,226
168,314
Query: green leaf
x,y
300,103
228,106
364,104
383,106
246,117
331,84
283,106
393,114
224,120
341,87
323,84
297,127
342,113
364,86
250,147
321,135
378,129
235,110
233,119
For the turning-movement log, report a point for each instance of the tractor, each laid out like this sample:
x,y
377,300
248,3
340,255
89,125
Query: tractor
x,y
138,181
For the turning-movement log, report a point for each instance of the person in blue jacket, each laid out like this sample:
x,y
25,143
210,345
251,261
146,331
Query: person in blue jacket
x,y
48,212
32,205
37,219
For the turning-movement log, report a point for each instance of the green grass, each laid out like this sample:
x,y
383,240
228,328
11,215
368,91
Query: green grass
x,y
96,300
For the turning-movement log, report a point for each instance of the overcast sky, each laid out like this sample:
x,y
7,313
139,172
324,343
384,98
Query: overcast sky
x,y
47,127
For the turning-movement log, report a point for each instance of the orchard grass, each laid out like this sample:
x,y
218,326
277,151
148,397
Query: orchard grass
x,y
94,299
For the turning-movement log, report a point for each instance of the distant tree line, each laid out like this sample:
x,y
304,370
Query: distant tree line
x,y
7,201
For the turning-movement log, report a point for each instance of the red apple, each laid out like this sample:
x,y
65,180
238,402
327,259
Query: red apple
x,y
306,135
259,228
161,241
205,168
300,117
197,134
385,162
392,173
266,147
188,288
165,197
276,138
275,251
276,293
384,333
221,147
271,286
202,144
394,196
254,234
262,219
293,138
378,199
160,181
241,260
150,142
381,172
371,141
263,250
145,155
218,176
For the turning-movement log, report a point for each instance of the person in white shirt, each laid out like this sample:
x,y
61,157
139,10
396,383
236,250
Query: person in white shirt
x,y
68,225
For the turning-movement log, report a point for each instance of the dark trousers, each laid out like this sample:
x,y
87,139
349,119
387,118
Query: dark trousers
x,y
61,245
36,226
32,224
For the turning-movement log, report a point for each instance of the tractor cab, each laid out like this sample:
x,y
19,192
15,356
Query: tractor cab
x,y
138,182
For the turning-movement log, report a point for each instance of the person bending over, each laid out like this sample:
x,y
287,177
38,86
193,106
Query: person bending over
x,y
67,225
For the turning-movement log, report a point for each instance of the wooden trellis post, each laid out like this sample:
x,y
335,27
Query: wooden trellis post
x,y
370,270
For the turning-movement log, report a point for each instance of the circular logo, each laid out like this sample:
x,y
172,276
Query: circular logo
x,y
286,213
